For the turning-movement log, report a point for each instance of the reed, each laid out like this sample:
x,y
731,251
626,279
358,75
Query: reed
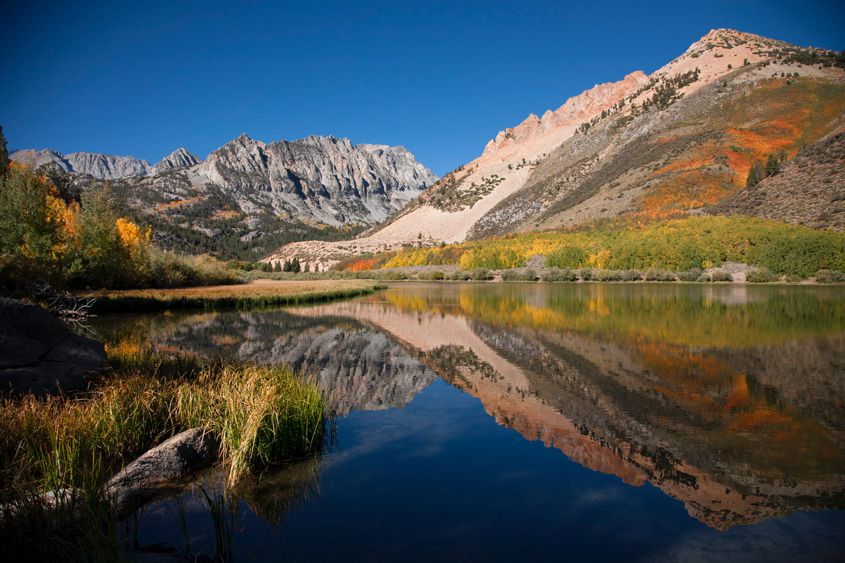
x,y
56,453
236,297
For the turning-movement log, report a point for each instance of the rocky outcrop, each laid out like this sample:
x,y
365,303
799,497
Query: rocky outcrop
x,y
160,468
107,166
39,355
43,157
322,178
180,158
99,166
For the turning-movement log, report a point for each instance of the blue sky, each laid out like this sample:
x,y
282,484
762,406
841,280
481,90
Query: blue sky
x,y
440,78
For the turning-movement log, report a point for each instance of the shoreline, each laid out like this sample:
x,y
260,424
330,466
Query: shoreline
x,y
256,294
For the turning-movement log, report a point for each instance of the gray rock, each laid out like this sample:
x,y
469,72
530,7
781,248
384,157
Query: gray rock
x,y
322,178
161,468
39,355
106,166
180,158
36,158
100,166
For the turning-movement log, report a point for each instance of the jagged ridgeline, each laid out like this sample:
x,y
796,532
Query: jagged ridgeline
x,y
248,197
732,111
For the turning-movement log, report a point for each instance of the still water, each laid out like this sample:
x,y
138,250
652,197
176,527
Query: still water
x,y
513,422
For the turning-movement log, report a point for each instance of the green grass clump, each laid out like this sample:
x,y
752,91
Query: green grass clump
x,y
72,445
150,300
263,415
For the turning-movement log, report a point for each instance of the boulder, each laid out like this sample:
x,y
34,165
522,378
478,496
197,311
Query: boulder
x,y
161,468
39,354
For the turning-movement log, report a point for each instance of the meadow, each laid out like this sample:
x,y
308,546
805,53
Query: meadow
x,y
675,245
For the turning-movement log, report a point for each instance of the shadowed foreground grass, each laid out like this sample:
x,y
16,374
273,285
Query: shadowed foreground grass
x,y
260,293
73,445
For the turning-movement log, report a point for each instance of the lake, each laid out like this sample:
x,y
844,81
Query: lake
x,y
513,422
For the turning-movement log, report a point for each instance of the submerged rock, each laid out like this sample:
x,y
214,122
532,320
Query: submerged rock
x,y
161,468
38,353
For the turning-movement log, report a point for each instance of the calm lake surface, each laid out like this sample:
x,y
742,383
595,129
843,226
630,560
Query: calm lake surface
x,y
513,422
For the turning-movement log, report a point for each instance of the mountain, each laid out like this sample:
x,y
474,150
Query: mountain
x,y
248,196
96,165
675,142
180,158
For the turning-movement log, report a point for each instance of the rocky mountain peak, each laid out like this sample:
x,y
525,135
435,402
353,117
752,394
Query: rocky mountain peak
x,y
107,166
180,158
40,157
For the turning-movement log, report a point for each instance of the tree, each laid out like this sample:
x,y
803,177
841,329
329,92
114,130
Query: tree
x,y
62,181
754,176
4,154
772,165
295,267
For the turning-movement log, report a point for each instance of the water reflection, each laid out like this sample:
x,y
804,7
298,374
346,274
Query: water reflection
x,y
729,399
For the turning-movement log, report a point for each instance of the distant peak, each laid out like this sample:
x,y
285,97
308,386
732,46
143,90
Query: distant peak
x,y
180,158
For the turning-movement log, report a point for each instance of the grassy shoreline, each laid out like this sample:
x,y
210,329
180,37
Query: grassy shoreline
x,y
258,294
56,454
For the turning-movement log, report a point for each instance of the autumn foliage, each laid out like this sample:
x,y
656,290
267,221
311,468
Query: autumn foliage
x,y
46,238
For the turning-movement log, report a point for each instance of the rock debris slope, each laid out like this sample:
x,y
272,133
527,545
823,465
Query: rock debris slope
x,y
674,142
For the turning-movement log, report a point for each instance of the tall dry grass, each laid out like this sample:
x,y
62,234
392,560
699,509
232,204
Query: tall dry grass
x,y
57,453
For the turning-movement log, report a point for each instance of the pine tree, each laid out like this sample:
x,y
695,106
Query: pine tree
x,y
772,165
754,175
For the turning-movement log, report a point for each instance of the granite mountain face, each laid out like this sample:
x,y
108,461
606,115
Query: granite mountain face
x,y
248,196
676,142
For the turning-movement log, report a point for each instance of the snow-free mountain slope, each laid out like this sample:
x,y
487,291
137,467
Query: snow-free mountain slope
x,y
248,196
644,148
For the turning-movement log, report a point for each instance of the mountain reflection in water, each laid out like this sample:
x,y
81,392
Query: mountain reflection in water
x,y
729,399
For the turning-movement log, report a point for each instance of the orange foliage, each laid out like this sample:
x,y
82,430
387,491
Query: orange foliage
x,y
360,265
178,203
131,236
794,116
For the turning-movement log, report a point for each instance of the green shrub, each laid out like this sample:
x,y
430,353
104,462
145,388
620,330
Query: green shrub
x,y
566,257
690,275
437,275
801,252
520,275
721,276
830,276
761,275
586,274
481,274
559,275
659,275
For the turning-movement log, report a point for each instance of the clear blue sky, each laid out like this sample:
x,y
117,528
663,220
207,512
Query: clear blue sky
x,y
440,78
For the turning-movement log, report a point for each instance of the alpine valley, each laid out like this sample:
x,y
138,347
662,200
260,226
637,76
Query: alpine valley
x,y
248,197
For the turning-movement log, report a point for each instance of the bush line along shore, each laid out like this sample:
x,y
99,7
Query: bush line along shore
x,y
249,296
